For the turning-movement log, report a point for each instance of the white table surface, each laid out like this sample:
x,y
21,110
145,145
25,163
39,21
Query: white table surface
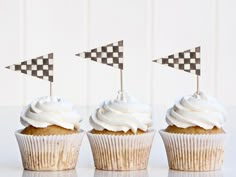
x,y
10,160
91,172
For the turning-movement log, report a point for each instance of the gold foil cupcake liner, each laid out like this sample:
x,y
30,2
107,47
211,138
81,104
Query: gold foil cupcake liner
x,y
121,152
49,153
194,152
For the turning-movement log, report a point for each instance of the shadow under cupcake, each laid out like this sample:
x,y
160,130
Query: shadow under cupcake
x,y
102,173
174,173
66,173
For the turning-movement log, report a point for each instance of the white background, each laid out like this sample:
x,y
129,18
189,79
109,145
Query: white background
x,y
150,29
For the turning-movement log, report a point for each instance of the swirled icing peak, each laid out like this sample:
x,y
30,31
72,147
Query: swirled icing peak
x,y
47,111
196,110
122,114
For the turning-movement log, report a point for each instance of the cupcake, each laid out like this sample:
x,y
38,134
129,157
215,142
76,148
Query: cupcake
x,y
52,137
121,137
194,139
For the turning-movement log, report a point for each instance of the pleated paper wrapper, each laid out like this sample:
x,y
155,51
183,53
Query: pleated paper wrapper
x,y
174,173
121,152
49,153
194,152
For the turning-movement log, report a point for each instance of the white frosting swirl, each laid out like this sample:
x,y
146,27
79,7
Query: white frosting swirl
x,y
197,110
47,111
122,114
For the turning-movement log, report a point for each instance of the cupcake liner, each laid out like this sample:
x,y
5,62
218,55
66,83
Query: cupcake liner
x,y
53,152
173,173
66,173
194,152
121,152
140,173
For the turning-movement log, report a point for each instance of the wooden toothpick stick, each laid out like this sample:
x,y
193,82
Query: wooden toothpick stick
x,y
198,90
121,80
50,88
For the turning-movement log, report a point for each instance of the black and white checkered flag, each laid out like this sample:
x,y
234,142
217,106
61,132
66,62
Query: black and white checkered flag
x,y
40,67
111,54
188,61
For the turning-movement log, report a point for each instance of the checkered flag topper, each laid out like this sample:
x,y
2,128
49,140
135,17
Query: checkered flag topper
x,y
40,67
188,61
111,54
